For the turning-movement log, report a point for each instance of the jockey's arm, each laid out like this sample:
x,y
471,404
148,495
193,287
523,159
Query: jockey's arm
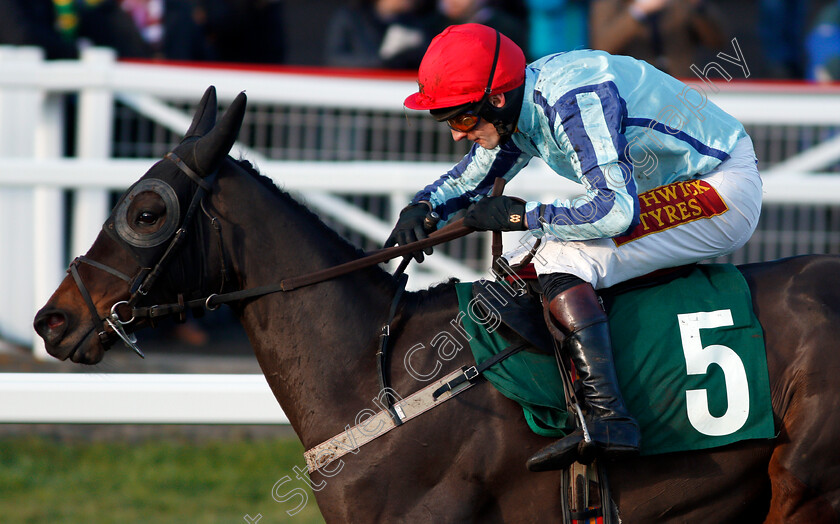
x,y
472,179
605,210
609,205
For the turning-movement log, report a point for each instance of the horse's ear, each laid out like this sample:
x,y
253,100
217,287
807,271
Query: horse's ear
x,y
210,149
205,114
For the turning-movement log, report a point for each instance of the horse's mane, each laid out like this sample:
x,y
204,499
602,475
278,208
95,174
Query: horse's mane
x,y
434,297
298,207
431,297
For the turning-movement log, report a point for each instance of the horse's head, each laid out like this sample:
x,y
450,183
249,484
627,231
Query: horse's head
x,y
154,225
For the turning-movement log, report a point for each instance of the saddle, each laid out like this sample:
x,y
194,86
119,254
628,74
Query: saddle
x,y
518,301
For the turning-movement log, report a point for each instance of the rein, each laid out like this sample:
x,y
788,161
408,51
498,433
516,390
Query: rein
x,y
215,300
212,302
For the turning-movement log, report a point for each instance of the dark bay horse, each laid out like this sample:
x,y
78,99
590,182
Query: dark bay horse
x,y
462,461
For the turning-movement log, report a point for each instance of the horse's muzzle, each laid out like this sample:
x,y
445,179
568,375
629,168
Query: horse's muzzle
x,y
60,339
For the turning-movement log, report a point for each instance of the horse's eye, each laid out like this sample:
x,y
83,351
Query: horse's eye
x,y
146,218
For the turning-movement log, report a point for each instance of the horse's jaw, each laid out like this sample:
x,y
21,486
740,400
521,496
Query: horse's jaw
x,y
88,353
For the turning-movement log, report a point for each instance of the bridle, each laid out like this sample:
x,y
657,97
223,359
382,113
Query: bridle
x,y
142,282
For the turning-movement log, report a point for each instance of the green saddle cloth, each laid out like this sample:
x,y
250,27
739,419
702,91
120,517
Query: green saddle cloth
x,y
689,356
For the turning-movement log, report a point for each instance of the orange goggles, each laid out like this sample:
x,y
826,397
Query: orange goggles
x,y
464,122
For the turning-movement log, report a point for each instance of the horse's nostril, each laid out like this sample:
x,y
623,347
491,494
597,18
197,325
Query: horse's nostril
x,y
50,325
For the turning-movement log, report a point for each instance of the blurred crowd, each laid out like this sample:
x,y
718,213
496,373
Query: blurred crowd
x,y
798,39
211,30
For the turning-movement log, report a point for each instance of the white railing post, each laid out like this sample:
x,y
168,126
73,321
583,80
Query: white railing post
x,y
94,131
48,213
20,111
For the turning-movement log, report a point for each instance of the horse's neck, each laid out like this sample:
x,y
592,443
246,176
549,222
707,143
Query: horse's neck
x,y
313,343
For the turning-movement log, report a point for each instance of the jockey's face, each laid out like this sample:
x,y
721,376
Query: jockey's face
x,y
485,133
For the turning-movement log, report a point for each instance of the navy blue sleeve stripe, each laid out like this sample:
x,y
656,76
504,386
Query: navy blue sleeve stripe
x,y
698,146
615,114
504,160
568,111
550,113
455,172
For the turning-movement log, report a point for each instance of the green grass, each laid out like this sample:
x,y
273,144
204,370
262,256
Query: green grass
x,y
156,482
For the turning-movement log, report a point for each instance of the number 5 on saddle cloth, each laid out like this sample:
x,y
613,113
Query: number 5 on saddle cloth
x,y
689,357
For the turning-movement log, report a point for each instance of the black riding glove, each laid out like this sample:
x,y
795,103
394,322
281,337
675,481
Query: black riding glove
x,y
499,213
411,227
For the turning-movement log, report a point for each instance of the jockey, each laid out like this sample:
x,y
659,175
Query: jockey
x,y
667,178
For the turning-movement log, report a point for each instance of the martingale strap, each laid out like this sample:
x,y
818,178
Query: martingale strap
x,y
382,354
377,425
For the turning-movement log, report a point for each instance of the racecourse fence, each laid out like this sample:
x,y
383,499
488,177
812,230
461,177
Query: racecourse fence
x,y
786,127
314,134
344,141
73,134
138,398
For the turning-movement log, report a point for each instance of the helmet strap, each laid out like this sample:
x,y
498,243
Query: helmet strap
x,y
489,88
505,118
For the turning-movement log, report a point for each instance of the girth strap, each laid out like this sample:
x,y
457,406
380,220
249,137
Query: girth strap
x,y
471,374
373,427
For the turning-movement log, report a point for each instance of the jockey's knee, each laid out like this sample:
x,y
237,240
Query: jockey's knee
x,y
553,284
572,302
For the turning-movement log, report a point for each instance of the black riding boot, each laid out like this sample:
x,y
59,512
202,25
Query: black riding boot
x,y
614,431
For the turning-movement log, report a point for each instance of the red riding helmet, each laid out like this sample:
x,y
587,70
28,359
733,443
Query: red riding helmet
x,y
456,67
